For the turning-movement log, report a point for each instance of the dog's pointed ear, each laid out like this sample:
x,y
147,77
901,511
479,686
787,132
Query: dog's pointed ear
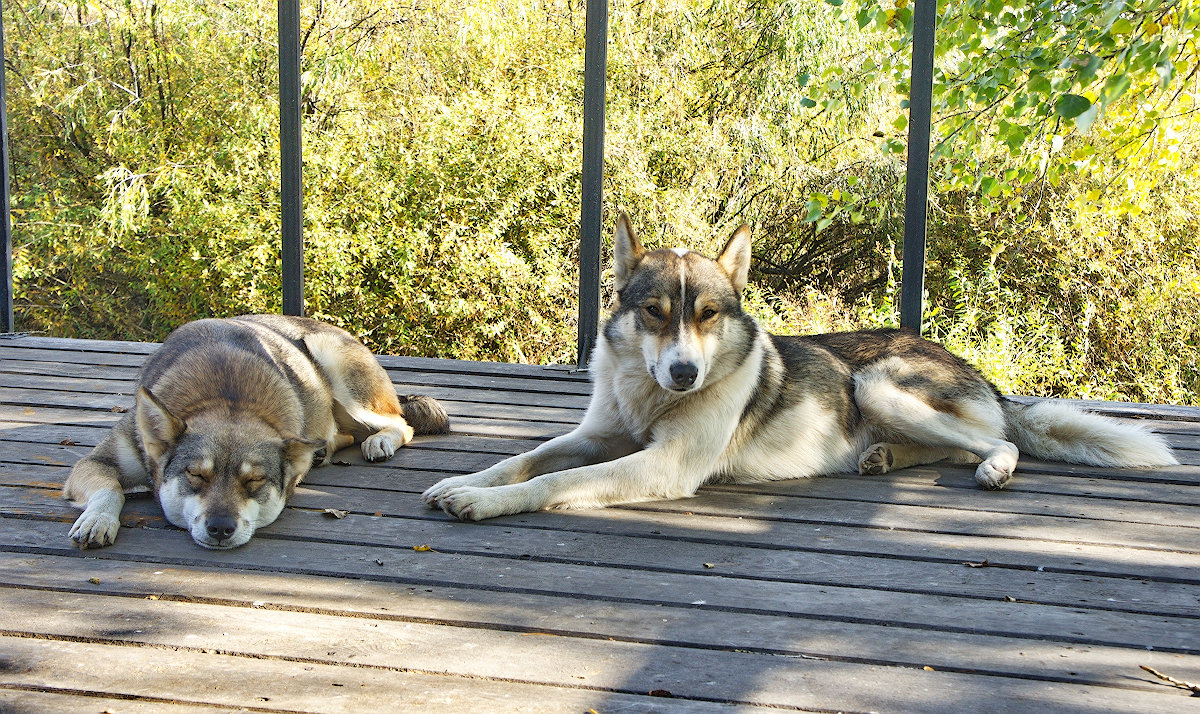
x,y
159,428
735,258
627,251
298,456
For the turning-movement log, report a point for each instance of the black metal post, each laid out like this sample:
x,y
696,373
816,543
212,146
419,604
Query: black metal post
x,y
6,279
291,188
595,59
916,189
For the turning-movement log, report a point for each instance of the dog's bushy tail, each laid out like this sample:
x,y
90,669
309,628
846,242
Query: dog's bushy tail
x,y
424,414
1061,432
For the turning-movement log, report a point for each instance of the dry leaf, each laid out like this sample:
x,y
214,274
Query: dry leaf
x,y
710,565
66,442
422,548
94,581
982,564
927,668
336,513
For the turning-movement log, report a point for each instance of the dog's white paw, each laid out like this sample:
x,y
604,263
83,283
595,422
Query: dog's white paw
x,y
95,530
876,460
433,495
380,447
470,503
993,476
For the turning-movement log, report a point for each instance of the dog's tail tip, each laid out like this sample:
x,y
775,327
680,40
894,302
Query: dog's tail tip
x,y
424,414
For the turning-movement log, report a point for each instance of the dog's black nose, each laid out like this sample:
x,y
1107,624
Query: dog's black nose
x,y
683,374
220,527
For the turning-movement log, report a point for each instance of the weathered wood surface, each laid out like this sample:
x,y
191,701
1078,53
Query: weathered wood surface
x,y
910,592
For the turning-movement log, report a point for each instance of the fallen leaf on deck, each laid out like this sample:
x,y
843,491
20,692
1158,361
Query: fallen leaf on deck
x,y
66,442
336,513
710,565
119,410
94,581
982,564
422,548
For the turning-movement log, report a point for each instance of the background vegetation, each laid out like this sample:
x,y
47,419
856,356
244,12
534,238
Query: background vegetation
x,y
442,153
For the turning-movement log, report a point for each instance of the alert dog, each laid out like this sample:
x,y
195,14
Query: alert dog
x,y
688,389
230,415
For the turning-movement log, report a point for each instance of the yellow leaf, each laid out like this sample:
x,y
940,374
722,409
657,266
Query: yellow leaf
x,y
422,548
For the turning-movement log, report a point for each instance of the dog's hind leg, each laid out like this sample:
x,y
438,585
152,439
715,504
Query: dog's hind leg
x,y
365,402
884,457
936,419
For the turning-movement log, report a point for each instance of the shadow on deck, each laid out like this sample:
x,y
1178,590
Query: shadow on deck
x,y
909,592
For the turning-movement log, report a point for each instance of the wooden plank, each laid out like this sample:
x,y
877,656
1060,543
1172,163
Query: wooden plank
x,y
1124,409
106,386
578,617
1073,623
793,521
327,488
811,494
186,674
16,698
8,351
66,347
42,398
19,437
452,650
1093,590
16,415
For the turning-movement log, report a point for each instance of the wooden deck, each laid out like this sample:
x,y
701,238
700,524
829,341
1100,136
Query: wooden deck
x,y
911,592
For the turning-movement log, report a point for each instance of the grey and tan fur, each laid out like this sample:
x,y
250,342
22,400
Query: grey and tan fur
x,y
689,390
230,415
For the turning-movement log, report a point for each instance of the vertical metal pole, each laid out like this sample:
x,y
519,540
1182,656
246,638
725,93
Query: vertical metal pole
x,y
916,189
6,279
595,59
291,189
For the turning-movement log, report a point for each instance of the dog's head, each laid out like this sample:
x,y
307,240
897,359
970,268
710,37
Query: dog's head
x,y
220,475
678,305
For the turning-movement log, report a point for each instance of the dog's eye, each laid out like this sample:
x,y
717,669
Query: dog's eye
x,y
653,311
708,314
196,476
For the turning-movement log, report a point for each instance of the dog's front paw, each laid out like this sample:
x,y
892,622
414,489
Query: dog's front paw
x,y
876,460
469,503
95,530
433,495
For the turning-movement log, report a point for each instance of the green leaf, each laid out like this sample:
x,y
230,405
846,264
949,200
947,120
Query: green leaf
x,y
1114,88
1069,106
1084,121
